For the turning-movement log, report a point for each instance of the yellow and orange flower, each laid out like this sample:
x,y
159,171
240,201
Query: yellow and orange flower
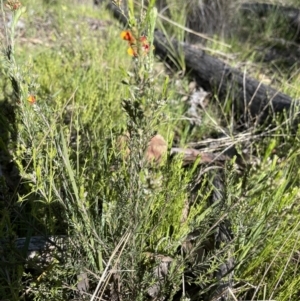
x,y
127,36
134,44
132,51
31,99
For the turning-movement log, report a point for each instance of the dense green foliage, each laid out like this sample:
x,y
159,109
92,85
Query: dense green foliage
x,y
64,173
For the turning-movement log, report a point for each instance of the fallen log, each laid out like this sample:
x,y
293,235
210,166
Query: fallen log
x,y
251,98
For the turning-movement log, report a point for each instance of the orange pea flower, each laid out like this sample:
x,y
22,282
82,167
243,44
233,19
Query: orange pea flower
x,y
127,36
31,99
133,44
132,51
